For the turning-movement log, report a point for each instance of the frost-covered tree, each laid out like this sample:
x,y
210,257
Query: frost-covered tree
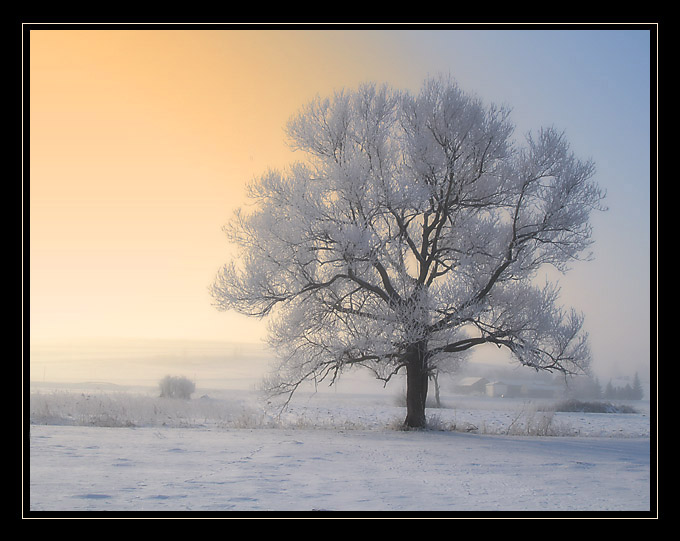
x,y
412,231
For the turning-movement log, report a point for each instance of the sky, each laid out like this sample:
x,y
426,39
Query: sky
x,y
142,141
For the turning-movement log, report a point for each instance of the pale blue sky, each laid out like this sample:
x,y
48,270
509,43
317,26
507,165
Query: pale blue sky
x,y
594,85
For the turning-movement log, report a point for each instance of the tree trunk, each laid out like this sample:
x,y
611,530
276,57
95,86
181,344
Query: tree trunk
x,y
416,386
435,380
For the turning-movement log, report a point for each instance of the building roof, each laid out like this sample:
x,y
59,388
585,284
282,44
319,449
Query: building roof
x,y
471,380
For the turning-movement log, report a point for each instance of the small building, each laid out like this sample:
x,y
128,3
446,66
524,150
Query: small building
x,y
498,389
471,385
518,389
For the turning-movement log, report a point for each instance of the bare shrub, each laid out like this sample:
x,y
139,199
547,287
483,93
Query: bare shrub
x,y
176,387
529,421
593,407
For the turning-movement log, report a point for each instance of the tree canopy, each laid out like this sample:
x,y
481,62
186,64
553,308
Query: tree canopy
x,y
412,230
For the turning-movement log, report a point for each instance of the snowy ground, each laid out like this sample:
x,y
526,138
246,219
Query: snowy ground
x,y
100,450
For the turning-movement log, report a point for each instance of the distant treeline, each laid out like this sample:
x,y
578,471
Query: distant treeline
x,y
592,389
628,392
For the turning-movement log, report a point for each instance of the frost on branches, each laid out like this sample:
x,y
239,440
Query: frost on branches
x,y
411,233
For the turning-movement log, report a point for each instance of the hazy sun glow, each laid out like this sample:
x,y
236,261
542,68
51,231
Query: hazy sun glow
x,y
141,144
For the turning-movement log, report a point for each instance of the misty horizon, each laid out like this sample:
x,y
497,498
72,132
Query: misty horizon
x,y
222,362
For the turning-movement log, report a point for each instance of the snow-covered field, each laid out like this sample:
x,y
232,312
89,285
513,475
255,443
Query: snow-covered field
x,y
101,448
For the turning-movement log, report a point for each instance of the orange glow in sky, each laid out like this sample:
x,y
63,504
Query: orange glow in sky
x,y
141,144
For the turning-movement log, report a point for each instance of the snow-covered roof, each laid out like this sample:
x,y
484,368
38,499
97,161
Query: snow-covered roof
x,y
471,380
